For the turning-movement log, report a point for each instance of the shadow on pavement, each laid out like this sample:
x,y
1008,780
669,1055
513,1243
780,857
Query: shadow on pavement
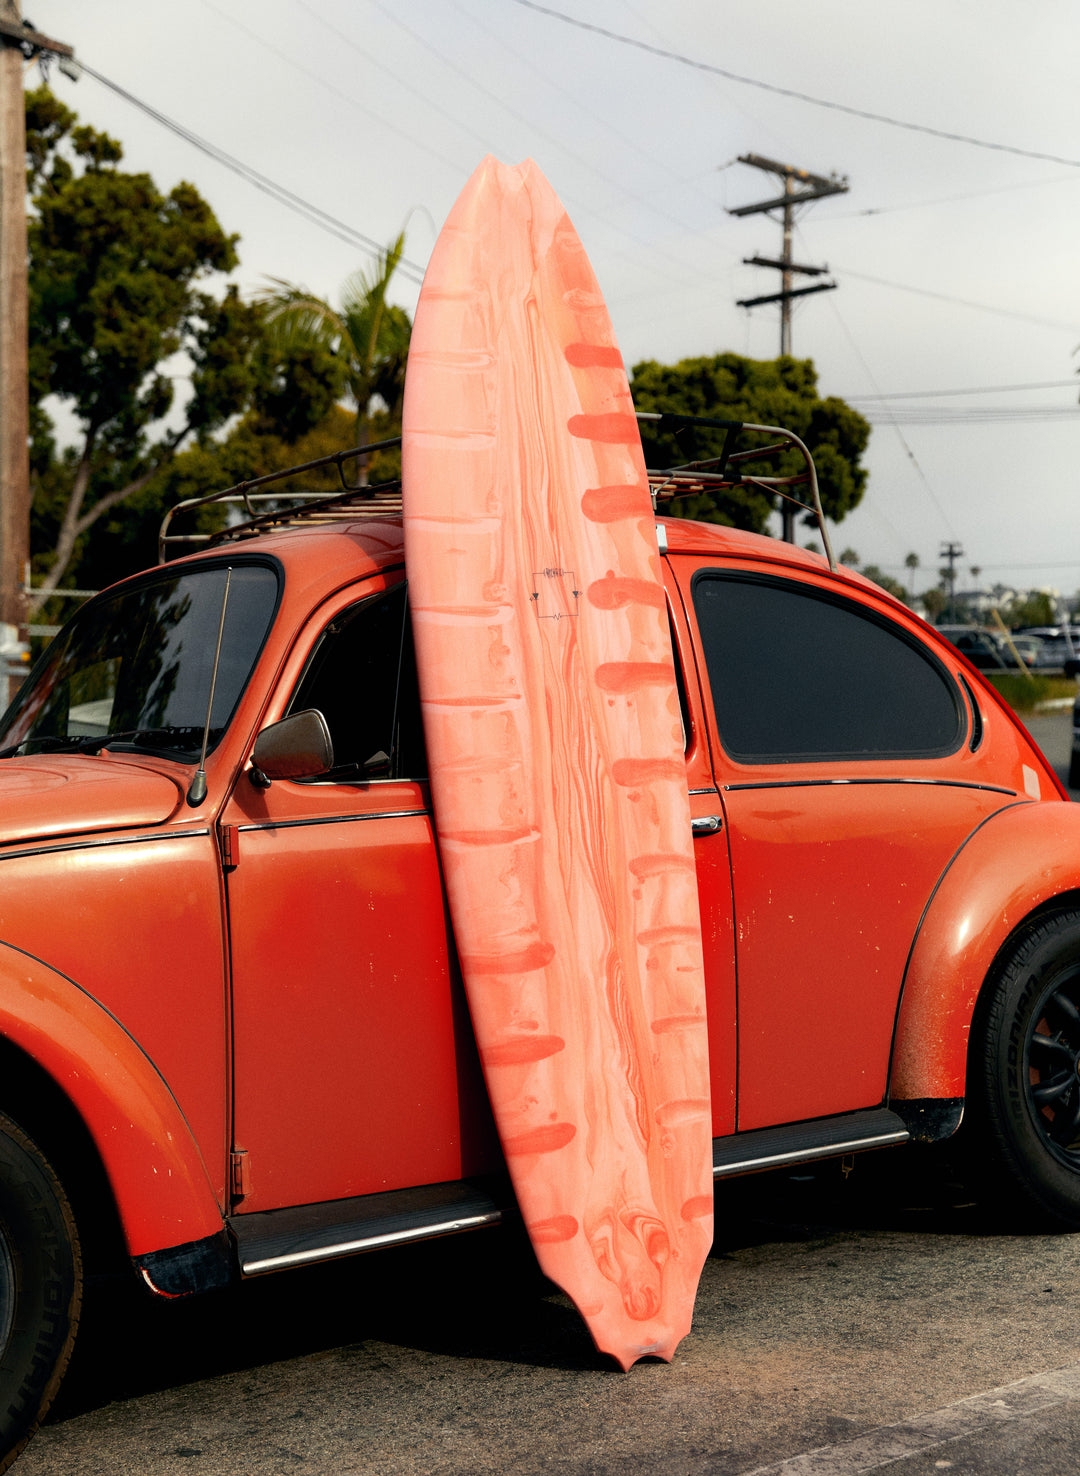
x,y
477,1296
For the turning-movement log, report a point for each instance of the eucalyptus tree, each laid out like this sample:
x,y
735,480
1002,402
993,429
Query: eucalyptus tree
x,y
127,301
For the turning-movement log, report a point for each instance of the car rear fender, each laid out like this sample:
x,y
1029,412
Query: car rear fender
x,y
162,1190
1022,860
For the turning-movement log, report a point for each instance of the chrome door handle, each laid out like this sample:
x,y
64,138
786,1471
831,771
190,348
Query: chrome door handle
x,y
706,825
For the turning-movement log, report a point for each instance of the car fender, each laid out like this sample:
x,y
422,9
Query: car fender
x,y
160,1183
1020,859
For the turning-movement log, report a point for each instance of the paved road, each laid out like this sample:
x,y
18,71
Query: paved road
x,y
883,1320
831,1312
1053,733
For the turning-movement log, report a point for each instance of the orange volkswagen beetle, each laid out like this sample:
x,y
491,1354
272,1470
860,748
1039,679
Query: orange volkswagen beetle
x,y
231,1023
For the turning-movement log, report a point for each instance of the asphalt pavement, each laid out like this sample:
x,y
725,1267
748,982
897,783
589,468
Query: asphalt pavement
x,y
843,1324
1052,731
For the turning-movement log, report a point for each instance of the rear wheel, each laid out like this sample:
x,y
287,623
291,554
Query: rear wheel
x,y
40,1287
1024,1077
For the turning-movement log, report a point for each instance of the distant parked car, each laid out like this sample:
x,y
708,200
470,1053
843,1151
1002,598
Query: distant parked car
x,y
982,648
1060,648
1034,651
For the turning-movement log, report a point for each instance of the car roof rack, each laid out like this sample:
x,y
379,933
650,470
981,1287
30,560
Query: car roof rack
x,y
355,500
729,469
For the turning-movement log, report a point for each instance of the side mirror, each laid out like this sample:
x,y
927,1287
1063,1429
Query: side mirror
x,y
298,747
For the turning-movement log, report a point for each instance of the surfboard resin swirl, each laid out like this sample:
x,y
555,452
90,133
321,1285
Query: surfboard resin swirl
x,y
555,745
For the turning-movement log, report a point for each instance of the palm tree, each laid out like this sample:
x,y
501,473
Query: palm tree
x,y
912,563
368,337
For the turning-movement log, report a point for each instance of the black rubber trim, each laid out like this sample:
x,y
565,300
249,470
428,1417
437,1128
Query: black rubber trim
x,y
930,1119
334,819
185,1270
90,843
976,714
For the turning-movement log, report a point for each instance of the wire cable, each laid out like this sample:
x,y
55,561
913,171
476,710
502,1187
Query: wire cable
x,y
818,102
284,196
909,453
982,307
979,389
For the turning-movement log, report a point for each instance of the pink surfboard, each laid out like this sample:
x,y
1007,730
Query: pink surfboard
x,y
555,747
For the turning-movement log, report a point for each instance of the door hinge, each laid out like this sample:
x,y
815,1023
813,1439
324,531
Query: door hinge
x,y
229,840
240,1174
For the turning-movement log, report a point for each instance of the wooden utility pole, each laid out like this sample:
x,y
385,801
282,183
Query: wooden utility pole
x,y
800,187
18,43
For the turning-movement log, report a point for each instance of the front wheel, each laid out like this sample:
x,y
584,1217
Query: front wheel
x,y
1024,1075
40,1287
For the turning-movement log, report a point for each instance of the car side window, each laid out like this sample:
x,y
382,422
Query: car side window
x,y
798,674
362,677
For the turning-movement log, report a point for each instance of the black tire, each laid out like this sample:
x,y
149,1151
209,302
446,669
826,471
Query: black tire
x,y
1024,1077
40,1288
1074,771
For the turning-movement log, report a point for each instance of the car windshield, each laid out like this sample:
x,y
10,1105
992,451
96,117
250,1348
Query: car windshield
x,y
133,669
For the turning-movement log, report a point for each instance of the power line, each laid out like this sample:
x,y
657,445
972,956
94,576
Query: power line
x,y
326,86
312,213
979,415
898,430
499,99
983,307
818,102
1027,184
980,389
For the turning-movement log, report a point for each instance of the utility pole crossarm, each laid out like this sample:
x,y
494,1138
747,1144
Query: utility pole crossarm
x,y
14,34
749,302
784,266
800,187
800,197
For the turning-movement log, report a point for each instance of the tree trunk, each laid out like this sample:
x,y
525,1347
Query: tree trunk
x,y
69,527
75,523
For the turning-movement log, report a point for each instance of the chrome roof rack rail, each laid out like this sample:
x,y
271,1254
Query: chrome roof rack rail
x,y
353,501
725,470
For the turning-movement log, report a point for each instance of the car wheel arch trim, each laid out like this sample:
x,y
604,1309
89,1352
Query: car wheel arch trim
x,y
159,1181
1020,860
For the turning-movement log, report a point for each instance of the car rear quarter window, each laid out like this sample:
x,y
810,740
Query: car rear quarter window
x,y
798,674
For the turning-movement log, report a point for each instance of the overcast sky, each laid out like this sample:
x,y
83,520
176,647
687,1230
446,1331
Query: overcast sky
x,y
956,262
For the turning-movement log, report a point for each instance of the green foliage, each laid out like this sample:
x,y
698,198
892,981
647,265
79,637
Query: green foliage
x,y
360,349
779,392
886,582
1023,691
115,282
135,332
934,602
1035,608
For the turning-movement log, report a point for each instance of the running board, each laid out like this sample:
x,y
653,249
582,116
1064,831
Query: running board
x,y
274,1240
800,1142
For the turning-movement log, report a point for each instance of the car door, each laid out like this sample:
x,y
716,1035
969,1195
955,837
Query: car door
x,y
846,756
354,1066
